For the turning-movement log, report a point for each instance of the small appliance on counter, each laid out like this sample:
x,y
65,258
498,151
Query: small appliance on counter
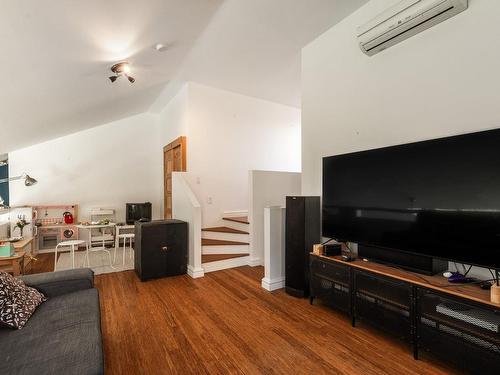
x,y
68,217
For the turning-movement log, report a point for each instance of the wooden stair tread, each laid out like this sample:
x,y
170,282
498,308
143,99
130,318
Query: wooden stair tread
x,y
211,242
237,219
207,258
224,230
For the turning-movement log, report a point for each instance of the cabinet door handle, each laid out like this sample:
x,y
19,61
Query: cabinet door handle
x,y
164,248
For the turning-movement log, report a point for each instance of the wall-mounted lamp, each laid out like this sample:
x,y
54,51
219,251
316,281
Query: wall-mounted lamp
x,y
28,181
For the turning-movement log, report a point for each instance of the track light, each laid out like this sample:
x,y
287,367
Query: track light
x,y
121,69
29,181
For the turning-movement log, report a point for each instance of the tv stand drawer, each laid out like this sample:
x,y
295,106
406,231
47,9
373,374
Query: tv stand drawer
x,y
390,291
464,333
336,272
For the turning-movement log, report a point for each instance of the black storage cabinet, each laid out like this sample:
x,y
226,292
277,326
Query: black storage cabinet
x,y
330,282
383,302
161,248
459,331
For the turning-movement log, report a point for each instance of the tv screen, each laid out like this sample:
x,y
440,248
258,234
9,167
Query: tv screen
x,y
137,211
439,198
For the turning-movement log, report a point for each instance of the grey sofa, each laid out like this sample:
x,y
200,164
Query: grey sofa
x,y
63,336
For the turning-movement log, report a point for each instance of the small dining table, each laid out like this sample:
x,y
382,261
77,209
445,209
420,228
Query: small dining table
x,y
89,227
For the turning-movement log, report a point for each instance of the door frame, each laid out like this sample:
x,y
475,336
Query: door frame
x,y
179,142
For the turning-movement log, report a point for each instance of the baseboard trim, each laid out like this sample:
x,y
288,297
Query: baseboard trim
x,y
225,264
195,272
273,284
254,262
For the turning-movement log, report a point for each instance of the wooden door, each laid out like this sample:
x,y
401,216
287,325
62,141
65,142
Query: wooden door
x,y
174,160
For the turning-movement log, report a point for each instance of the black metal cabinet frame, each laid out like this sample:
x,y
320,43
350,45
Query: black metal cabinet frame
x,y
330,282
409,297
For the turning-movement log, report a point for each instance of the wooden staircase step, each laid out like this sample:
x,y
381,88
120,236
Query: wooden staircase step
x,y
224,230
211,242
206,258
237,219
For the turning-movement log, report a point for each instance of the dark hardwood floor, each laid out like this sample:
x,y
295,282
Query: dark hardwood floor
x,y
225,323
42,263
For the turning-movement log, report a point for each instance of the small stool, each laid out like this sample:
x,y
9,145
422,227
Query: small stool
x,y
91,249
72,244
125,236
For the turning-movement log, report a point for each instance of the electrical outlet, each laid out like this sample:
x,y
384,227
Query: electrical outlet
x,y
209,200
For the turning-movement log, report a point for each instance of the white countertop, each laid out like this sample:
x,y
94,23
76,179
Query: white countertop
x,y
94,226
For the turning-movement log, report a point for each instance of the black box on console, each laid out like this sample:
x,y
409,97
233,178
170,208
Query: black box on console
x,y
332,249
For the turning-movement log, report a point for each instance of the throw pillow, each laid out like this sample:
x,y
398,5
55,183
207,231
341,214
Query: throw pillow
x,y
17,301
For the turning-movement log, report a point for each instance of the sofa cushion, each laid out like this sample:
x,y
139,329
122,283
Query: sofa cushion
x,y
17,301
53,284
62,337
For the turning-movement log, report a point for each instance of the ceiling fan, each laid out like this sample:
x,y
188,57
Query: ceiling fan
x,y
121,69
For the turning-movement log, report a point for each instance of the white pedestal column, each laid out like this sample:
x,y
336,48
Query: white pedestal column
x,y
274,248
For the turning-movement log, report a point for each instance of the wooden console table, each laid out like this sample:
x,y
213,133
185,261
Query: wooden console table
x,y
22,260
14,264
456,323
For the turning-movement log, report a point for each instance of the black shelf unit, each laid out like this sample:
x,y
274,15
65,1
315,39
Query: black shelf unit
x,y
161,248
331,283
384,303
458,330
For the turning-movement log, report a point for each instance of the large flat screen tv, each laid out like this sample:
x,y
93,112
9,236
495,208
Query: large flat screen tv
x,y
439,198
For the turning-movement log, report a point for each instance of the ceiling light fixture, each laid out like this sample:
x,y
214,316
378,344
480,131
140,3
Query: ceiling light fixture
x,y
161,47
121,69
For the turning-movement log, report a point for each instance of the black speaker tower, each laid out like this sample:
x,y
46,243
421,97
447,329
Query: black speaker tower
x,y
302,232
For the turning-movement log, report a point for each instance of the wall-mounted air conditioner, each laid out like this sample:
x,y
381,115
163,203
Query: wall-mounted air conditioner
x,y
405,19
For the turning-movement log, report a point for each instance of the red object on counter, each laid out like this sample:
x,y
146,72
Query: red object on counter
x,y
68,217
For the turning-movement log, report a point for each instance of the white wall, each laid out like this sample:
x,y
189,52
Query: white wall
x,y
231,134
186,207
227,135
105,166
266,188
173,120
442,82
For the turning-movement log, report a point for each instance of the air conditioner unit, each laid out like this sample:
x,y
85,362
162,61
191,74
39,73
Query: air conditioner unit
x,y
405,19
